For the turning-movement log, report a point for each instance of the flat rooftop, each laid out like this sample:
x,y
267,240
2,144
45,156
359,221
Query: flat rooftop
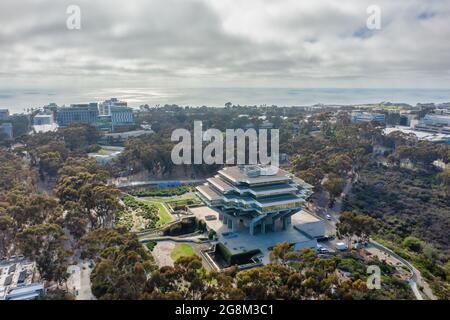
x,y
305,216
209,193
241,240
220,183
255,174
422,135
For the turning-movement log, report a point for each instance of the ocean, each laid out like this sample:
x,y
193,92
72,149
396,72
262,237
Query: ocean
x,y
19,100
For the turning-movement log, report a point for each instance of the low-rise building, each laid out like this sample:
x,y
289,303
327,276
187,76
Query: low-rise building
x,y
434,123
7,130
368,117
44,121
4,114
18,280
310,224
421,134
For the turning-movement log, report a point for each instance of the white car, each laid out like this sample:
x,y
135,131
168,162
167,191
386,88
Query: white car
x,y
323,250
328,217
341,246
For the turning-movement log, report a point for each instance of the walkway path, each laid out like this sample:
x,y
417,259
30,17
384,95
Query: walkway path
x,y
322,210
416,278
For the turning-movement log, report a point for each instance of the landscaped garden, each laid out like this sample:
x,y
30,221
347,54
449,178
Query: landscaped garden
x,y
162,192
182,250
164,215
146,215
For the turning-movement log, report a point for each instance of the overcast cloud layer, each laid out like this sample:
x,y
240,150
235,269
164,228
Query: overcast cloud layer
x,y
230,43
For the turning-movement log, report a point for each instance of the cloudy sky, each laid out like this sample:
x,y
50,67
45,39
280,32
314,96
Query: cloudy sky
x,y
224,43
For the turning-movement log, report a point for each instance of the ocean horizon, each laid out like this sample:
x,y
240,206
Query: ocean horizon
x,y
19,100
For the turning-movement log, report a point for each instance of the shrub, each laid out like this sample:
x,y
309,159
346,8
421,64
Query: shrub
x,y
146,210
413,244
165,192
185,226
211,234
151,245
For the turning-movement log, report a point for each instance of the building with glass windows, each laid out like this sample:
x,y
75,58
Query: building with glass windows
x,y
368,117
77,113
122,119
259,198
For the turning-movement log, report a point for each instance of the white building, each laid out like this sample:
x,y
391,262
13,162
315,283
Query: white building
x,y
44,122
436,120
368,117
17,280
43,118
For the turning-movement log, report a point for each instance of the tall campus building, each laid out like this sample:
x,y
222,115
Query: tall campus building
x,y
260,198
111,115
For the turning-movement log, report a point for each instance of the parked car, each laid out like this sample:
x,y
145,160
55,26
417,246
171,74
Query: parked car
x,y
341,246
328,217
323,250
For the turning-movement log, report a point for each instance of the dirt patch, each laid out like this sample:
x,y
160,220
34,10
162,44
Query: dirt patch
x,y
162,252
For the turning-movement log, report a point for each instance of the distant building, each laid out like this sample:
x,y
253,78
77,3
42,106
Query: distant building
x,y
121,137
122,119
43,118
104,108
4,114
107,154
436,120
44,122
77,113
17,280
434,123
266,125
6,129
422,135
368,117
407,119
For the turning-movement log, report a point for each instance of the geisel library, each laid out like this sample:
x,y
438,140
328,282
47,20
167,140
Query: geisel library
x,y
260,198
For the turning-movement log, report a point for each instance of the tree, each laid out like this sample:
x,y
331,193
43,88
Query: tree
x,y
122,263
50,163
45,244
355,224
334,185
79,136
7,231
413,244
75,220
280,253
20,124
102,203
444,179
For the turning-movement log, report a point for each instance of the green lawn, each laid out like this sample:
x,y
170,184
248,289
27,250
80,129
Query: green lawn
x,y
181,250
164,215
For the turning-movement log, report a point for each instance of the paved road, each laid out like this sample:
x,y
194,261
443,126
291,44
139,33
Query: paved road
x,y
79,282
414,273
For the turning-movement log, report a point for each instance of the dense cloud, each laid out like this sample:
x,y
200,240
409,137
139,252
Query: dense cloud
x,y
293,43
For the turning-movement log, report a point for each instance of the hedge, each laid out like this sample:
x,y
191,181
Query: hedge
x,y
166,192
